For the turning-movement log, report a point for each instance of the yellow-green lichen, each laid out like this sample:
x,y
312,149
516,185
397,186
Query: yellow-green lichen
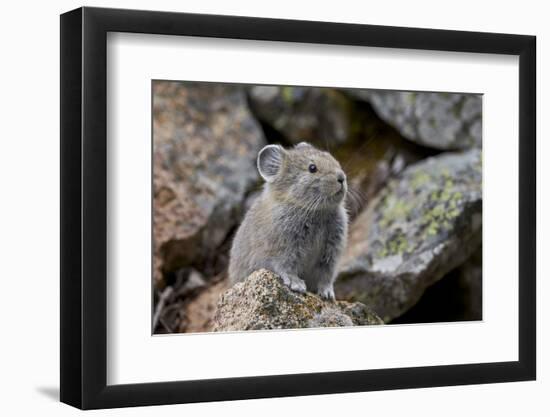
x,y
420,178
396,245
394,209
287,94
411,97
441,215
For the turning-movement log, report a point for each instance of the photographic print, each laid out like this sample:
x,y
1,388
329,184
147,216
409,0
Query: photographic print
x,y
291,207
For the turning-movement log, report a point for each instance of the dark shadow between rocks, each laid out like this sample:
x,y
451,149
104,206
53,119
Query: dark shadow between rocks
x,y
448,300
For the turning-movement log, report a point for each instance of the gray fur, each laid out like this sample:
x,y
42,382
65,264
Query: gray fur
x,y
298,226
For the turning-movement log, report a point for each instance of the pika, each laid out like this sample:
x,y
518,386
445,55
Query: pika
x,y
298,226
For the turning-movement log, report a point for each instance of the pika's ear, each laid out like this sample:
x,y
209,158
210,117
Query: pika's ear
x,y
270,159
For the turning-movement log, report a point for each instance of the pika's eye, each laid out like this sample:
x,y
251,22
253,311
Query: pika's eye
x,y
312,168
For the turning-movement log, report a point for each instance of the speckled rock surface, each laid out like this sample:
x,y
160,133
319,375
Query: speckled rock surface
x,y
205,147
446,121
262,302
420,226
321,116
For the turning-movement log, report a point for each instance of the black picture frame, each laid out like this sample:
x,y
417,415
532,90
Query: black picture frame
x,y
84,207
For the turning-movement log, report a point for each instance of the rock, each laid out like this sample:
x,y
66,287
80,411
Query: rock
x,y
198,312
455,297
377,154
205,147
321,116
445,121
263,302
419,227
470,281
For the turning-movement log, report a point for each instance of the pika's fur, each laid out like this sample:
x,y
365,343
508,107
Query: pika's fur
x,y
298,226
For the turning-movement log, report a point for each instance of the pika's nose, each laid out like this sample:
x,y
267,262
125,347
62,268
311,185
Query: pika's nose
x,y
340,177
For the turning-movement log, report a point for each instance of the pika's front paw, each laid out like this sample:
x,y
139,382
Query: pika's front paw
x,y
294,283
326,293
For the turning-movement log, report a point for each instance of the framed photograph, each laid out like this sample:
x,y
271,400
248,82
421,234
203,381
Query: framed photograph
x,y
257,208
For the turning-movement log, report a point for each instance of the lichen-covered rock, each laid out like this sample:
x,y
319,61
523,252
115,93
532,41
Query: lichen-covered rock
x,y
321,116
455,297
421,226
263,302
371,159
205,147
446,121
